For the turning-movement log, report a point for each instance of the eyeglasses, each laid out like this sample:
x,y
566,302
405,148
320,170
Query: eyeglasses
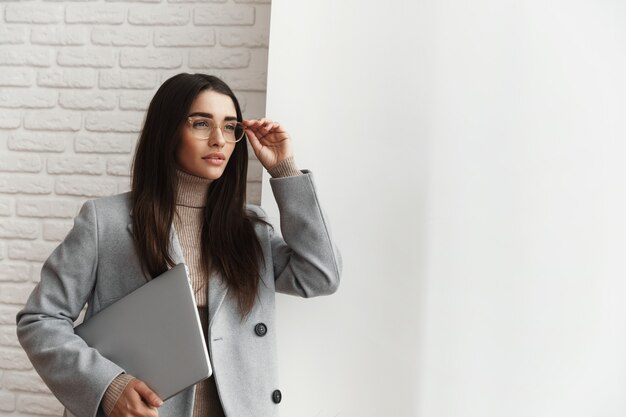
x,y
201,127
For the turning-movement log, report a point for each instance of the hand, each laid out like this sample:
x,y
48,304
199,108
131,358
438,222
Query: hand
x,y
137,399
270,142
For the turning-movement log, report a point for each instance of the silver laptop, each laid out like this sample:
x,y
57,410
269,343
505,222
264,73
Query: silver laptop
x,y
154,333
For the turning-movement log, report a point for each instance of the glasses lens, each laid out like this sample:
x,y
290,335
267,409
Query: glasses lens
x,y
201,127
233,131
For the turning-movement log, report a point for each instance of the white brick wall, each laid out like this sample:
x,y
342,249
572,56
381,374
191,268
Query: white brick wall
x,y
76,77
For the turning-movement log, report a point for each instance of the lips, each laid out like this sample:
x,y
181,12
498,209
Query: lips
x,y
215,156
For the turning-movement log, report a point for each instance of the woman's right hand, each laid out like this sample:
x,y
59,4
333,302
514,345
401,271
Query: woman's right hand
x,y
137,399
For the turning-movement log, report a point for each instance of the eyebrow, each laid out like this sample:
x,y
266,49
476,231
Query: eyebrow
x,y
210,116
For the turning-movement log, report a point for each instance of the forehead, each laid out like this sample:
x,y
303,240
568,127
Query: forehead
x,y
218,104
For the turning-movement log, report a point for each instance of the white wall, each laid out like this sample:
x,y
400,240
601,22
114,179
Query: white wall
x,y
470,157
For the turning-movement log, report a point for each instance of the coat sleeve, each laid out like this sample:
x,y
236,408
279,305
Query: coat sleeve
x,y
306,261
75,373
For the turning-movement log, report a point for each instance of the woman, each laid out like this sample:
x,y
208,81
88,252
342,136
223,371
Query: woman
x,y
187,204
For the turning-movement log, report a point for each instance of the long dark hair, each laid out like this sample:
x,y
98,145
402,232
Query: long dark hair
x,y
229,243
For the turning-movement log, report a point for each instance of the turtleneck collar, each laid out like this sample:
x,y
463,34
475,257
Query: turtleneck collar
x,y
192,190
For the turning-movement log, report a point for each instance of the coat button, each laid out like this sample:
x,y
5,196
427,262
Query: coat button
x,y
277,396
260,329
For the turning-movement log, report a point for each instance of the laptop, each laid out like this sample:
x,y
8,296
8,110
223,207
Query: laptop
x,y
154,333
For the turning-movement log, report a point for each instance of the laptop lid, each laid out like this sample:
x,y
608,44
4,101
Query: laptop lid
x,y
154,333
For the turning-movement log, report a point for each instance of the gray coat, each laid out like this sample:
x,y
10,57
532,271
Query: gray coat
x,y
97,264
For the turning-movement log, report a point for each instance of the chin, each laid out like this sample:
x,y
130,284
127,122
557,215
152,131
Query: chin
x,y
211,175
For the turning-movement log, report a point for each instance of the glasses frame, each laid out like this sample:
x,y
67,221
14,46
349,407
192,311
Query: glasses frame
x,y
191,119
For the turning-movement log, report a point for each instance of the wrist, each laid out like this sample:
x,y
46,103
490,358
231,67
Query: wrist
x,y
285,168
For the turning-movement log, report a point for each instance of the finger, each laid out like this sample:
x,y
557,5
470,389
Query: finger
x,y
254,141
148,395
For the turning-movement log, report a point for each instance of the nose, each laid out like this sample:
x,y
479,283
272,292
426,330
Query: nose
x,y
216,137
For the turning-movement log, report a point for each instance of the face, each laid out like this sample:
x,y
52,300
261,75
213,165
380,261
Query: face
x,y
207,158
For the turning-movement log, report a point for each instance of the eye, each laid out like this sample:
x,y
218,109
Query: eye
x,y
230,127
201,123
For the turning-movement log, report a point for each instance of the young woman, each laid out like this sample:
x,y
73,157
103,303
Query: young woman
x,y
186,204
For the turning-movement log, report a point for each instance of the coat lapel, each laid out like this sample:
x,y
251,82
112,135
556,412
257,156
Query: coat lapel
x,y
217,288
175,249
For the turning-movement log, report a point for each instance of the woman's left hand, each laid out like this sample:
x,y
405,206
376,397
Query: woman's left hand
x,y
270,142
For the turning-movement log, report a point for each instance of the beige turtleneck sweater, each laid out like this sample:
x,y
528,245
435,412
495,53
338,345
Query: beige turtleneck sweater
x,y
190,203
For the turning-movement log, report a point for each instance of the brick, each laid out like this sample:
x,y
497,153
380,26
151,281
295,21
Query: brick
x,y
53,120
19,229
197,1
37,142
34,184
58,35
134,37
119,166
26,381
123,186
39,404
7,401
104,143
6,206
150,15
30,251
245,80
16,77
14,294
29,13
35,56
254,104
8,337
47,207
165,75
128,79
15,273
36,271
10,119
248,38
219,58
56,231
253,193
87,57
262,16
33,99
106,14
135,100
12,35
150,58
259,58
75,165
2,250
255,171
87,187
67,77
8,313
13,162
92,100
128,121
184,37
227,15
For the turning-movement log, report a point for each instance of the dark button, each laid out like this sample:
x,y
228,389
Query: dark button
x,y
277,396
260,329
